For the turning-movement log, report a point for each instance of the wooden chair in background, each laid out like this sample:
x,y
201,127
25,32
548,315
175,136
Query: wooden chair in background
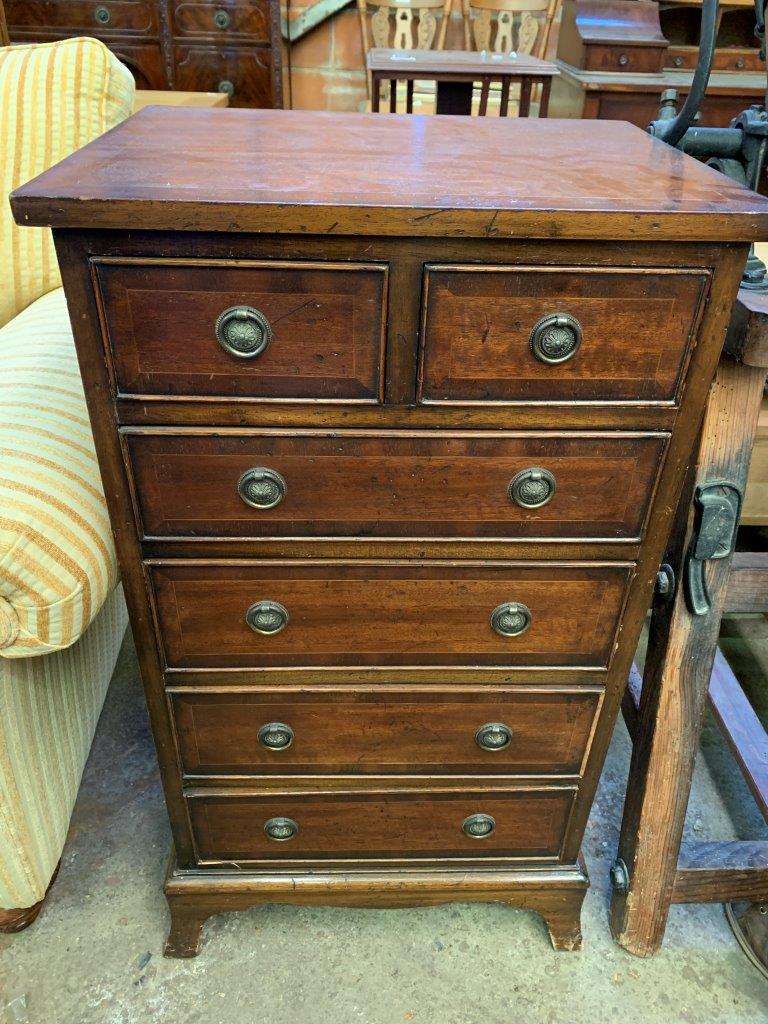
x,y
505,26
404,24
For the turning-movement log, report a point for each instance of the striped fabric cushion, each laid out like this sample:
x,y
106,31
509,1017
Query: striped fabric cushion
x,y
57,560
54,98
48,713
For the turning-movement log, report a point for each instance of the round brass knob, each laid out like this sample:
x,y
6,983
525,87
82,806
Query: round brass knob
x,y
221,19
510,619
493,736
276,735
243,331
280,829
226,87
267,617
478,826
556,338
532,488
261,488
623,60
103,15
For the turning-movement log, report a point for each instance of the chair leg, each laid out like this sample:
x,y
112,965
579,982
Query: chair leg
x,y
18,918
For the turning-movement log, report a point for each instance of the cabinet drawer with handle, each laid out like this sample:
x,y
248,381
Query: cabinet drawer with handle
x,y
268,330
322,613
524,731
518,823
549,334
394,484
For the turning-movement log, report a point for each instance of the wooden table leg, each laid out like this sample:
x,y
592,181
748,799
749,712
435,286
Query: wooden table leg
x,y
679,663
454,98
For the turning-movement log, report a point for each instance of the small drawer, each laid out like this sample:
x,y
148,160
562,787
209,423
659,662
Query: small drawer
x,y
98,17
267,330
222,20
451,732
621,57
244,73
295,613
520,823
393,485
559,334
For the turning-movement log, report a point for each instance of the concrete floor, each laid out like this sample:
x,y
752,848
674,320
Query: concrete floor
x,y
94,956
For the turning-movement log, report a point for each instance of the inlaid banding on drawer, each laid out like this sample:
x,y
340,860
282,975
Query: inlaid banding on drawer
x,y
526,731
623,335
297,330
376,613
527,823
395,484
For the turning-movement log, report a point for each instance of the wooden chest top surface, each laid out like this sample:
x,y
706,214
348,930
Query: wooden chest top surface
x,y
325,173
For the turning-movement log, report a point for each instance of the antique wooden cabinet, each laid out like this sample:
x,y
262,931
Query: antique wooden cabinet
x,y
390,470
230,46
616,58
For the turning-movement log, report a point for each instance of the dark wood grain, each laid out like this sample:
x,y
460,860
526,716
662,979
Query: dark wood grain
x,y
350,179
387,614
327,326
742,729
718,871
195,18
394,484
555,892
530,824
172,44
407,638
384,732
637,329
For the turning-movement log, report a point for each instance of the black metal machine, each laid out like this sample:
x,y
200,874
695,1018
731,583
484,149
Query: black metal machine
x,y
740,150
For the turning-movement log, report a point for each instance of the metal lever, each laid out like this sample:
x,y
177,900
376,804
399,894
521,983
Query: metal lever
x,y
716,520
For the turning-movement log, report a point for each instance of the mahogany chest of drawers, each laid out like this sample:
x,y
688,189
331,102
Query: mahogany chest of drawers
x,y
230,46
392,424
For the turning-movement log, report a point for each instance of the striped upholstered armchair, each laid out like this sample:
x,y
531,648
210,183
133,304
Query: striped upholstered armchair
x,y
62,615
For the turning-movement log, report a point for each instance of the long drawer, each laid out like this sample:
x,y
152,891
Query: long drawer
x,y
523,731
524,823
295,613
272,330
522,334
306,483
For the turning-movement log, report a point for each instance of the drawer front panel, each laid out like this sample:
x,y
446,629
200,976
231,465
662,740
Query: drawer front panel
x,y
439,733
620,57
636,328
244,73
95,16
223,19
324,334
528,823
387,614
395,484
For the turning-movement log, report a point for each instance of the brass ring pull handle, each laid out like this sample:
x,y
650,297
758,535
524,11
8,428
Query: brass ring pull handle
x,y
556,338
267,617
493,736
221,18
510,619
532,488
243,331
280,830
261,488
276,736
478,826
